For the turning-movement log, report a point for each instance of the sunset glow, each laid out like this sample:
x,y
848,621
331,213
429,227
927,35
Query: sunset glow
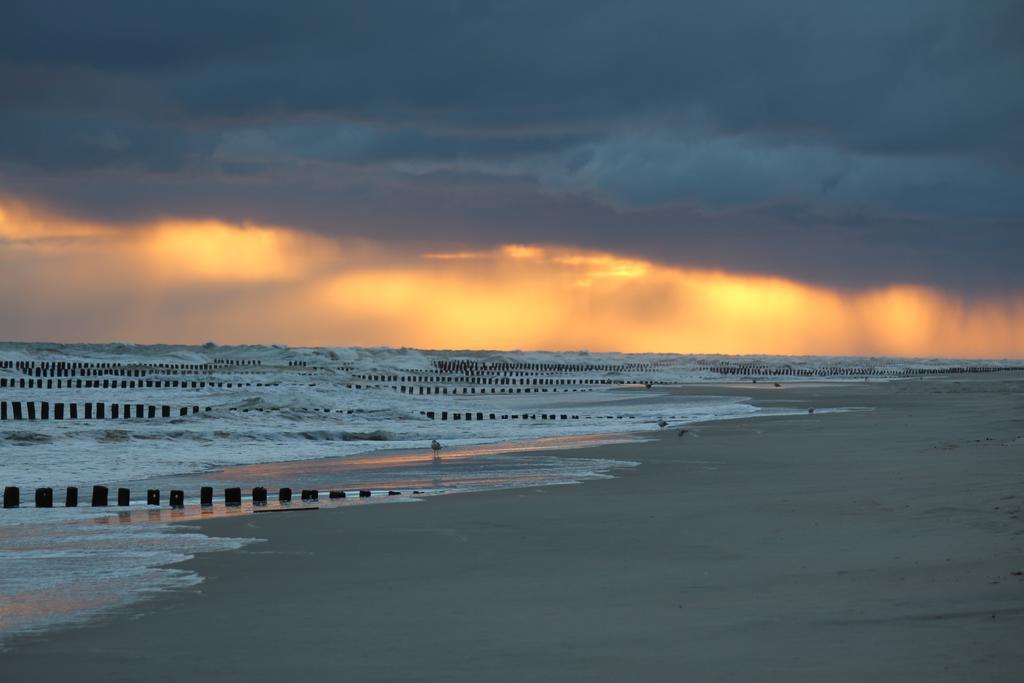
x,y
190,281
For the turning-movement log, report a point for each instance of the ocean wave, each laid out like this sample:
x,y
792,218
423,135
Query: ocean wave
x,y
23,438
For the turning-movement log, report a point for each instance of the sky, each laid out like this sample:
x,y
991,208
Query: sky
x,y
708,177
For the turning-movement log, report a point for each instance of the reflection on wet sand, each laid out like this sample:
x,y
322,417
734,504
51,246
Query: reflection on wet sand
x,y
398,459
414,473
59,570
30,605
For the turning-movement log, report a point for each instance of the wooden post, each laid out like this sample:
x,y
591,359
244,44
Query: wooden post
x,y
71,497
284,495
364,493
206,496
233,496
337,494
259,496
153,497
12,496
177,499
99,496
44,498
124,497
310,494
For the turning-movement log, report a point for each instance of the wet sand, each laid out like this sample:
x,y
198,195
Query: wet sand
x,y
884,543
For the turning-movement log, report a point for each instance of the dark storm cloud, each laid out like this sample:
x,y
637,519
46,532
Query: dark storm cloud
x,y
843,142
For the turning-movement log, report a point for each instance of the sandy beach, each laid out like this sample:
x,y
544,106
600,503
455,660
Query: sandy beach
x,y
884,543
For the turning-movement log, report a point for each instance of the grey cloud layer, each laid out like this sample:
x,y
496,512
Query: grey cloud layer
x,y
752,135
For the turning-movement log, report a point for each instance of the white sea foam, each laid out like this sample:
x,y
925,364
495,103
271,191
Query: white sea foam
x,y
60,568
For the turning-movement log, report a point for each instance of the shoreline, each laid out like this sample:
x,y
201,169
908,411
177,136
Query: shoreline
x,y
491,465
637,562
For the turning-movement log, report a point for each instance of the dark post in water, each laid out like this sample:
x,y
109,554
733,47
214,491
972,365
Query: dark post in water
x,y
99,496
44,498
12,497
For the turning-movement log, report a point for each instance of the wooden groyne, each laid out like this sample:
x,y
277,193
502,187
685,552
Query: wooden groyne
x,y
480,415
232,496
86,369
44,410
49,383
765,370
467,366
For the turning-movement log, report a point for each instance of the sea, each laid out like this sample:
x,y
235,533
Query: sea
x,y
330,420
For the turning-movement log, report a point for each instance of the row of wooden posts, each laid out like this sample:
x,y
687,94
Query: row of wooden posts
x,y
469,377
464,365
838,371
85,369
447,366
176,499
30,383
497,381
438,391
216,363
124,372
444,415
98,410
43,410
31,410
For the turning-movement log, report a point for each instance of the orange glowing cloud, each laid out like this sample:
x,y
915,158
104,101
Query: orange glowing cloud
x,y
561,298
211,251
20,224
191,281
